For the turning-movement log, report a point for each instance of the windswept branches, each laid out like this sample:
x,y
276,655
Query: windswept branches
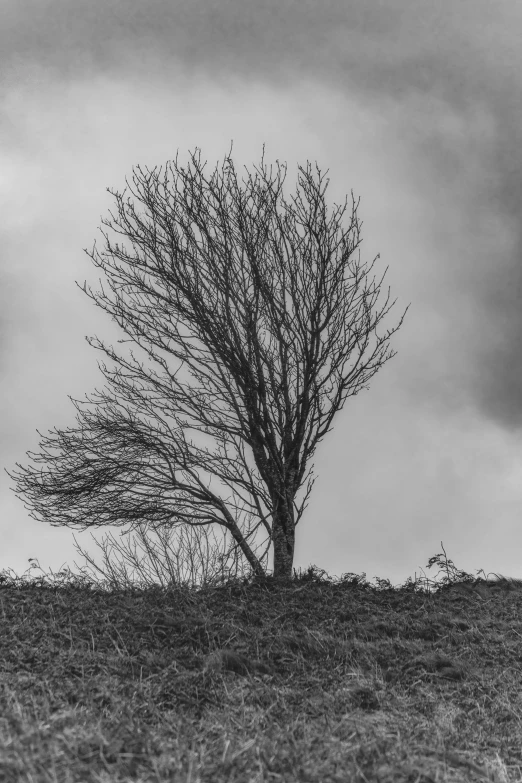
x,y
255,320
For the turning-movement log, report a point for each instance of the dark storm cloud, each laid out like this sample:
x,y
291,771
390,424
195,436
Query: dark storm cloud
x,y
390,46
414,55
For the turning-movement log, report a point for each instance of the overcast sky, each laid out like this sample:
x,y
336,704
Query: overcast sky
x,y
413,105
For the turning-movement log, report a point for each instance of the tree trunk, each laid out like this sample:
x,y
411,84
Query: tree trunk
x,y
284,540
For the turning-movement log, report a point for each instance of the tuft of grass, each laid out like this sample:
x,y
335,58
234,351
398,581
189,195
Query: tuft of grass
x,y
312,679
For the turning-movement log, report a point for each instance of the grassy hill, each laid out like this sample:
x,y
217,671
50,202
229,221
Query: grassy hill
x,y
310,680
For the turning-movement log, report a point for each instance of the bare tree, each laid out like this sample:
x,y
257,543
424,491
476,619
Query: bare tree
x,y
265,309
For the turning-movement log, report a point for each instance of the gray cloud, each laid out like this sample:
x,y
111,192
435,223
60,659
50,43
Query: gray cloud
x,y
410,60
414,103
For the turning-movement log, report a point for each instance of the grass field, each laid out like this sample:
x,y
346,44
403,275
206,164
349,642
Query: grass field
x,y
312,680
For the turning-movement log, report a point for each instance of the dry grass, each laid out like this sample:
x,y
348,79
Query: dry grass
x,y
311,680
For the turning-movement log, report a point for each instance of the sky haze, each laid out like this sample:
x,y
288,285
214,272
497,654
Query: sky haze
x,y
416,107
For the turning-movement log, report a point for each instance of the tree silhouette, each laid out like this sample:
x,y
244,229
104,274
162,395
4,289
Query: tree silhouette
x,y
262,307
